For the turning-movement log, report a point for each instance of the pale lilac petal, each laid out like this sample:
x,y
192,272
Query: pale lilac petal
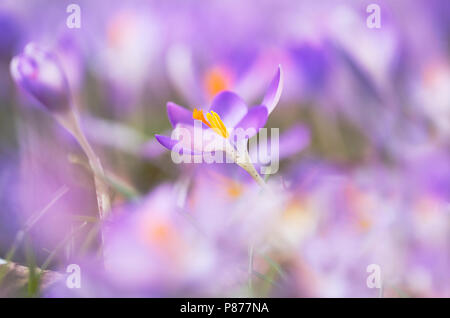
x,y
181,72
178,114
273,93
251,123
230,107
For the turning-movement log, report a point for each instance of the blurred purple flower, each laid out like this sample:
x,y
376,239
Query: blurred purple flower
x,y
312,66
40,74
154,248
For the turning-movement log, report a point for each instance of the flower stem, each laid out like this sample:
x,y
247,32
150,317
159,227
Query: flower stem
x,y
244,161
250,270
70,121
103,200
254,174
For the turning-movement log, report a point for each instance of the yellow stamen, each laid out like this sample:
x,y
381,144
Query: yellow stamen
x,y
198,114
217,124
214,122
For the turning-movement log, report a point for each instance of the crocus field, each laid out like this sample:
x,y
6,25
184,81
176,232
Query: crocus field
x,y
225,148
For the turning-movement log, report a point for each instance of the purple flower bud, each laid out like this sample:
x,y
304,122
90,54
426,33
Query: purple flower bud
x,y
39,73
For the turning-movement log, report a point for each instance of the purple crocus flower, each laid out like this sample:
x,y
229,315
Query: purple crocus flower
x,y
227,126
227,113
39,73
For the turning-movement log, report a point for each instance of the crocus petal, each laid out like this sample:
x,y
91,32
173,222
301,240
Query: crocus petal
x,y
198,140
273,94
166,141
178,114
189,139
230,107
252,122
170,143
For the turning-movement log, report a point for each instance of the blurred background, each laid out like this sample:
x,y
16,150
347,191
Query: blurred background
x,y
364,122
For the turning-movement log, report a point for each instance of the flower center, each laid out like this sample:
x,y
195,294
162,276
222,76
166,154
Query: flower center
x,y
214,122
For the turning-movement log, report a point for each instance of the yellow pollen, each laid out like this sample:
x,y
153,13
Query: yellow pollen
x,y
214,122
